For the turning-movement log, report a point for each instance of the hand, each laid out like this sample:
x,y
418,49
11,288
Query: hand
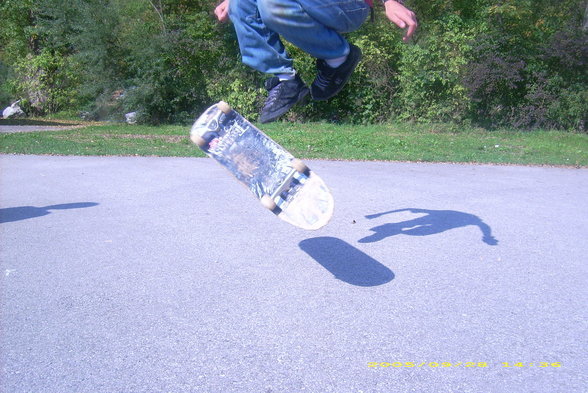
x,y
222,11
401,17
490,240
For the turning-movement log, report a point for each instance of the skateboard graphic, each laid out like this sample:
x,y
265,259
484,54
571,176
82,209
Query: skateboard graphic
x,y
283,184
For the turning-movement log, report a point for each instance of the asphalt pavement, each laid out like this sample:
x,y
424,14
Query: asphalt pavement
x,y
35,128
130,274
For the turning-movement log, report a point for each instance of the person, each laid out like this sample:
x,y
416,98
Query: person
x,y
314,26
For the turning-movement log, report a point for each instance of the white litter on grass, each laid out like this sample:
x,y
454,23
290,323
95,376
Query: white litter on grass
x,y
131,118
13,110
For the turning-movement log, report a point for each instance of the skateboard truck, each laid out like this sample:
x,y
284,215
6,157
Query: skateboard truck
x,y
274,201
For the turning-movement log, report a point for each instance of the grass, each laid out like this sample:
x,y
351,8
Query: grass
x,y
391,142
434,143
103,139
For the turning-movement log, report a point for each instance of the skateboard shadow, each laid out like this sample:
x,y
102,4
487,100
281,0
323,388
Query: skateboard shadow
x,y
346,262
433,222
20,213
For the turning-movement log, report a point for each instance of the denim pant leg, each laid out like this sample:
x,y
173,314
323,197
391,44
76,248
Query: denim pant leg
x,y
315,26
261,48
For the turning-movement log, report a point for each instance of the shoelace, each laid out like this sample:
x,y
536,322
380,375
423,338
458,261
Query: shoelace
x,y
323,79
273,95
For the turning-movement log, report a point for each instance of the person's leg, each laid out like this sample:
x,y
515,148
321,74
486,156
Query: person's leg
x,y
262,50
315,26
260,47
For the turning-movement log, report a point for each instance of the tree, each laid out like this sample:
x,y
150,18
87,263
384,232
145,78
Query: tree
x,y
514,62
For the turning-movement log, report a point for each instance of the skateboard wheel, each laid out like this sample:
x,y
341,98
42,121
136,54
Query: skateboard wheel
x,y
198,140
224,107
268,202
300,166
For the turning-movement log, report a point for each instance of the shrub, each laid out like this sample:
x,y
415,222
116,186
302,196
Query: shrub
x,y
565,59
543,86
495,82
508,63
226,78
431,73
46,83
368,96
5,96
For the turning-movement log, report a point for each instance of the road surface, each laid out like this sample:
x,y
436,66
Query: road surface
x,y
125,274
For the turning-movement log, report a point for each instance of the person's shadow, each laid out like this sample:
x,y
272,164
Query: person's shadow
x,y
20,213
433,222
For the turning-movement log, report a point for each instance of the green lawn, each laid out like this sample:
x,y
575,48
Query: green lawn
x,y
391,142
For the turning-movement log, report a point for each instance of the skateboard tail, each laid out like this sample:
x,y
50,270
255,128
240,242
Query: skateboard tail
x,y
312,206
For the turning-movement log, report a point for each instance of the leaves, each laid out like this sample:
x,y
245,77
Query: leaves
x,y
507,62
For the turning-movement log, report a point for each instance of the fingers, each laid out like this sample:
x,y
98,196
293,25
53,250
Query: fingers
x,y
222,11
397,21
221,14
402,17
411,29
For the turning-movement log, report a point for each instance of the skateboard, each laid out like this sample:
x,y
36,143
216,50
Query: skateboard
x,y
283,184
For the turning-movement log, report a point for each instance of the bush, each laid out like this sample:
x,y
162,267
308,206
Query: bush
x,y
226,78
565,60
431,73
46,83
528,70
502,63
368,96
5,96
161,90
495,82
540,87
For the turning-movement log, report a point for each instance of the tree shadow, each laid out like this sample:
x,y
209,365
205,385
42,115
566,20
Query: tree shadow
x,y
12,214
346,262
433,222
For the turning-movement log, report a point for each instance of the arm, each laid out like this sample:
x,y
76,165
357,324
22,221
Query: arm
x,y
370,216
222,11
401,17
487,234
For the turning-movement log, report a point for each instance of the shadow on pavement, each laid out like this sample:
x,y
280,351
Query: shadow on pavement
x,y
11,214
346,262
433,222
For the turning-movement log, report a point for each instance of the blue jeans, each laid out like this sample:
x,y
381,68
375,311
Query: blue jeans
x,y
314,26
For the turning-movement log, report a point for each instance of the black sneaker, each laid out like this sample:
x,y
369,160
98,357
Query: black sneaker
x,y
329,81
282,96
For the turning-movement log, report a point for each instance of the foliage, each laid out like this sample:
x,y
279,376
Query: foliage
x,y
223,76
431,72
518,63
368,96
529,71
4,88
17,30
46,82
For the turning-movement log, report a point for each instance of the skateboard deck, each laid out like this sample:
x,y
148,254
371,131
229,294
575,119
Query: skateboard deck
x,y
283,184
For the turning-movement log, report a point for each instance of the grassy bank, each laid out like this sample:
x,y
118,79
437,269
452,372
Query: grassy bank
x,y
393,142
